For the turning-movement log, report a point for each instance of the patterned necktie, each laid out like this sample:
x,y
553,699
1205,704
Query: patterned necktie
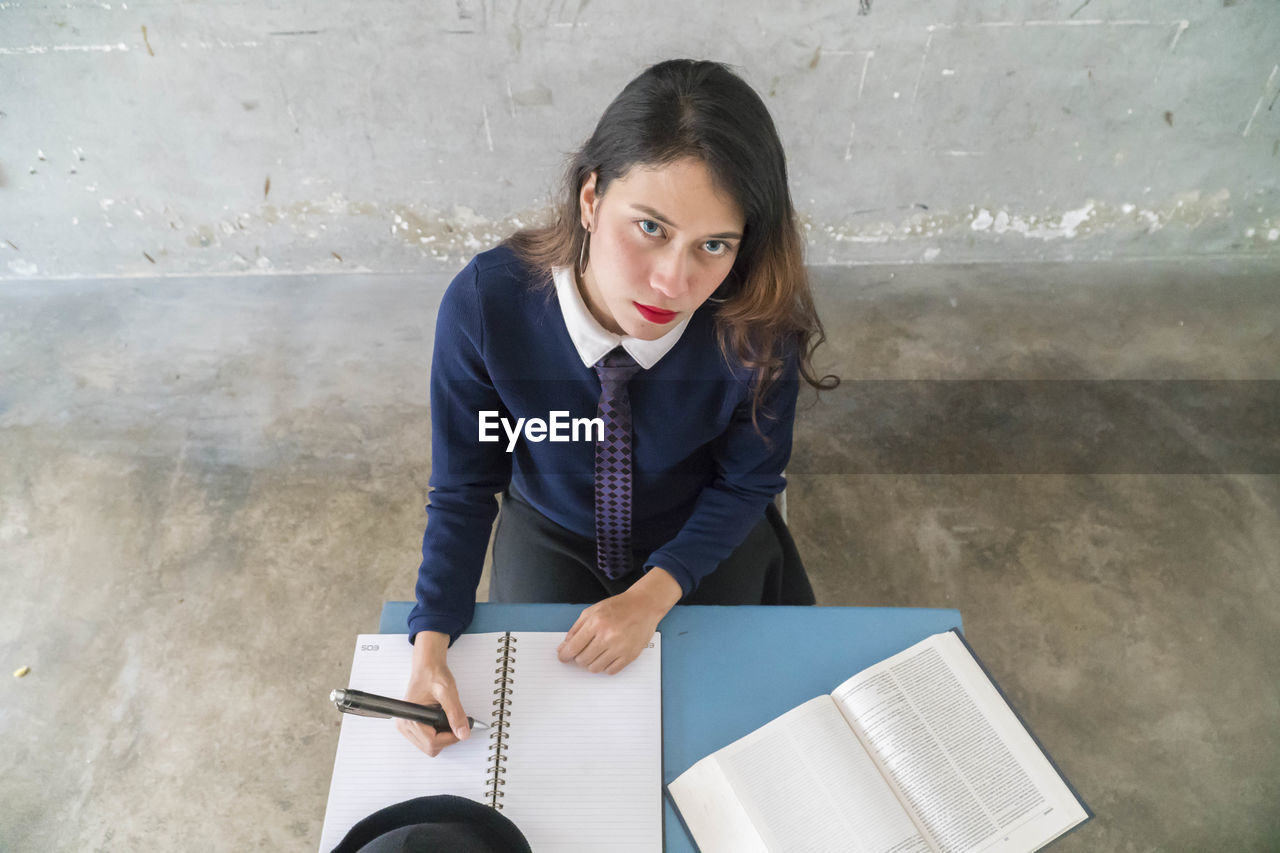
x,y
613,465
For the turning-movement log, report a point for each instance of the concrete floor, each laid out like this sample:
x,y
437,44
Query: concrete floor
x,y
208,487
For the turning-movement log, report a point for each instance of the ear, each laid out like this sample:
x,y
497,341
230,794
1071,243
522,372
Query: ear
x,y
588,200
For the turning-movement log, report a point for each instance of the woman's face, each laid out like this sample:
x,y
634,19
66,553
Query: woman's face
x,y
662,241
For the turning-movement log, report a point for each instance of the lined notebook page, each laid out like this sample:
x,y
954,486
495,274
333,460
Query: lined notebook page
x,y
584,768
375,765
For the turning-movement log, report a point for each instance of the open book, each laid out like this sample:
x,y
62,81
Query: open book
x,y
573,758
917,753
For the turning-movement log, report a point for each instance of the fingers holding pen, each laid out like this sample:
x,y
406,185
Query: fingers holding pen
x,y
425,737
434,685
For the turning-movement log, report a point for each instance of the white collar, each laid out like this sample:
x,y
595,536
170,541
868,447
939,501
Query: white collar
x,y
592,340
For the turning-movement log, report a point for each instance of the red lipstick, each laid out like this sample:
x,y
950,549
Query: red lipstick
x,y
655,315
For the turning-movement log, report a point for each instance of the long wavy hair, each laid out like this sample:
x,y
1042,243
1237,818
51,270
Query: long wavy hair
x,y
686,108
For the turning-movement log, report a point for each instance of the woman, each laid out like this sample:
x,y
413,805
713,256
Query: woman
x,y
670,299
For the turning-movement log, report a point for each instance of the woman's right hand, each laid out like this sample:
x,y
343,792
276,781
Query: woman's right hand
x,y
431,683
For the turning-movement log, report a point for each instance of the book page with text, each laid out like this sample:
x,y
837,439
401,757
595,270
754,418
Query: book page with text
x,y
584,763
375,765
959,758
805,783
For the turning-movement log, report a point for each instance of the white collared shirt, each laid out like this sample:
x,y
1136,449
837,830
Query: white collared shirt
x,y
592,340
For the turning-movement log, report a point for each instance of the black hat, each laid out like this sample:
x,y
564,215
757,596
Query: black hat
x,y
439,823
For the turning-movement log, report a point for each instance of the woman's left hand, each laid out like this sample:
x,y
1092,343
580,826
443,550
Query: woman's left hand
x,y
611,634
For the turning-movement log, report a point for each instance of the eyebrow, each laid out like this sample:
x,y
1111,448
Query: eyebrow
x,y
650,212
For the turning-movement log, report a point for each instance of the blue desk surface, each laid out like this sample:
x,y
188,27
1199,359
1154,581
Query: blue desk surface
x,y
726,671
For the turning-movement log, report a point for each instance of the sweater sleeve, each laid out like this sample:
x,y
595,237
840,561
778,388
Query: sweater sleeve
x,y
465,473
747,476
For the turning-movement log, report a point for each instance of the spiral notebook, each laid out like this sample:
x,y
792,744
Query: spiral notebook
x,y
573,758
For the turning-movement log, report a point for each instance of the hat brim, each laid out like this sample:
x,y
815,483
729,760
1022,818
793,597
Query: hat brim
x,y
491,829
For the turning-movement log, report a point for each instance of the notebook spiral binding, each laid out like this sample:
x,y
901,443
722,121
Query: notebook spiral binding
x,y
501,719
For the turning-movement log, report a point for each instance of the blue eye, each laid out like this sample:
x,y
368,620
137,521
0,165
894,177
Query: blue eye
x,y
720,247
644,226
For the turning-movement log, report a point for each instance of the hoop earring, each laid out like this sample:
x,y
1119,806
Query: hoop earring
x,y
582,255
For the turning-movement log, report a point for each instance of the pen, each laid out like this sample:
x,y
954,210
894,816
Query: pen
x,y
371,705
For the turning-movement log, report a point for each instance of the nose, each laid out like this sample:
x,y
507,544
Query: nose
x,y
670,275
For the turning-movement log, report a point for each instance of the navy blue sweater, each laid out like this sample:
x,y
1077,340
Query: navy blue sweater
x,y
702,474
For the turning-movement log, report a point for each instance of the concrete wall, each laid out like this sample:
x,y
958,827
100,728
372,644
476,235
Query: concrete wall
x,y
143,139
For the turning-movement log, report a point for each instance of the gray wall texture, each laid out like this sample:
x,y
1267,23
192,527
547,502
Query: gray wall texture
x,y
201,138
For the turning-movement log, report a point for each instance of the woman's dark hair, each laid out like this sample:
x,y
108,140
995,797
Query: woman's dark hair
x,y
681,109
